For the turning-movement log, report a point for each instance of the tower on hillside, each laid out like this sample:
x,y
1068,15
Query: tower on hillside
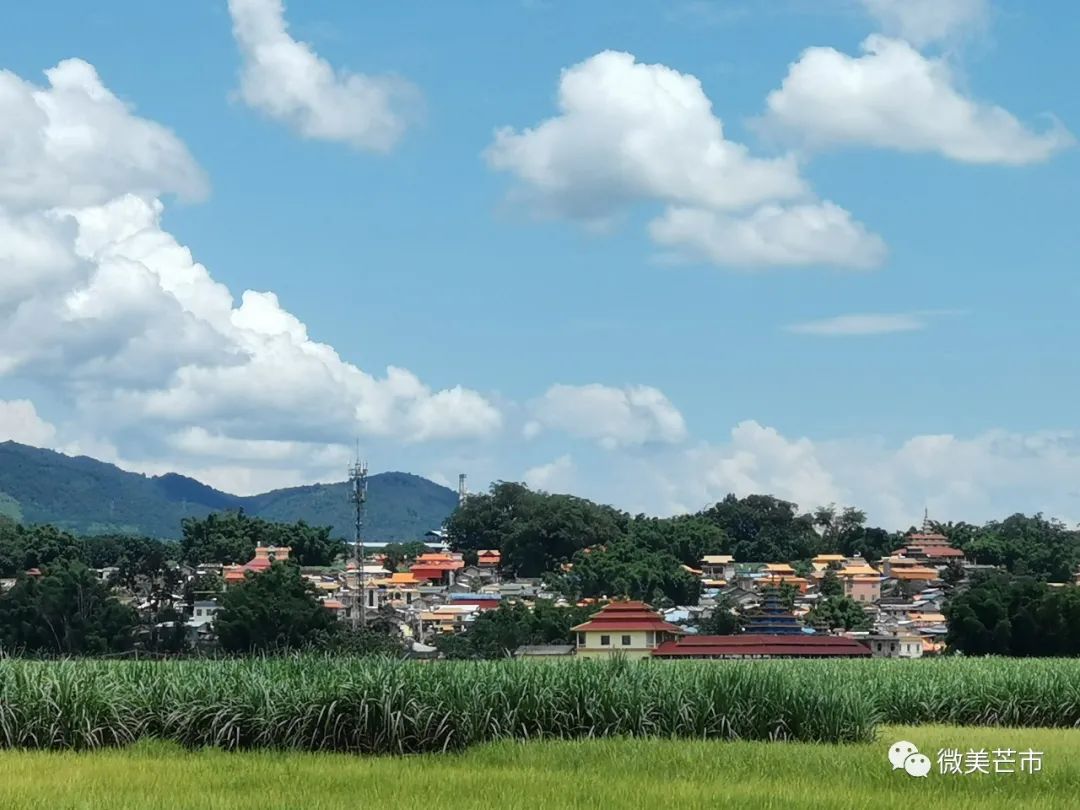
x,y
462,493
358,494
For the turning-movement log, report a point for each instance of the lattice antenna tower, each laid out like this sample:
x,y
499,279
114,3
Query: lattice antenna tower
x,y
358,494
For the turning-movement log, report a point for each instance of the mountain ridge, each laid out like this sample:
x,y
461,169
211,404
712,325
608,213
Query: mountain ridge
x,y
87,496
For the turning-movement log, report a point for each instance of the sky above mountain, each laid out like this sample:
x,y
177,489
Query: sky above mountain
x,y
649,253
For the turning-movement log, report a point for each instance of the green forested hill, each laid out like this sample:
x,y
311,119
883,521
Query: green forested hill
x,y
87,496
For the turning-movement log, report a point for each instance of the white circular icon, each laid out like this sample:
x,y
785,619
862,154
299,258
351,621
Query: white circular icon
x,y
900,751
917,764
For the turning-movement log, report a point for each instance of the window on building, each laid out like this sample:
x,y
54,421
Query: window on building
x,y
581,639
879,646
626,641
650,639
605,641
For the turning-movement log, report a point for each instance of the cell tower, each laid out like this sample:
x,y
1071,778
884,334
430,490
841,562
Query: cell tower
x,y
461,491
358,493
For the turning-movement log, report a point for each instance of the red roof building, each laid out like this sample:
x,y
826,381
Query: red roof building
x,y
750,645
437,566
488,558
632,629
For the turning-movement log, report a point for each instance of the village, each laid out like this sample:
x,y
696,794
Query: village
x,y
437,594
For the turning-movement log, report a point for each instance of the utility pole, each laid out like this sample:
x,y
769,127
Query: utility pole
x,y
358,491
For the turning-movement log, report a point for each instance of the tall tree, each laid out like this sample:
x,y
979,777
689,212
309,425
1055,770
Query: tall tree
x,y
723,621
831,585
840,613
66,611
763,528
231,537
274,610
625,569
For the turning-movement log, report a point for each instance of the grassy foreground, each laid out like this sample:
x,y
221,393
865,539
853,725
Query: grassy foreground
x,y
556,774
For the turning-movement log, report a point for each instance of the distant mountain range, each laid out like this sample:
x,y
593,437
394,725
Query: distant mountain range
x,y
86,496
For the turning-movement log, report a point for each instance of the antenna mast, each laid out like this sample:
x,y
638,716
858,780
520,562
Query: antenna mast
x,y
358,492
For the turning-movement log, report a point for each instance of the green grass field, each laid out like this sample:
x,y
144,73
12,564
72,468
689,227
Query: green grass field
x,y
612,773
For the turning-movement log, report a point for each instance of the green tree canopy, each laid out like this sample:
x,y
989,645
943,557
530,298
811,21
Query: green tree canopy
x,y
1003,614
536,532
231,537
723,621
763,528
273,610
840,613
68,610
625,569
1043,548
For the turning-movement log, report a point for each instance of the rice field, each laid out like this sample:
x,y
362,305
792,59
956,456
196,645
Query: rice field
x,y
608,773
382,707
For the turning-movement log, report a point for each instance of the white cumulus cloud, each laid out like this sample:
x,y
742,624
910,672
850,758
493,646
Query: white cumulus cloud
x,y
614,417
555,476
629,133
922,22
74,143
109,312
894,97
975,478
287,81
19,422
812,233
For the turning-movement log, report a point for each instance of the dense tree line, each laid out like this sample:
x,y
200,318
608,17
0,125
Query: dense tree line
x,y
589,549
1003,614
25,547
67,611
60,605
231,537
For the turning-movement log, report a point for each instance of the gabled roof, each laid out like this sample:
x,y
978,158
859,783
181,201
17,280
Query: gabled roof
x,y
858,569
626,616
778,568
918,573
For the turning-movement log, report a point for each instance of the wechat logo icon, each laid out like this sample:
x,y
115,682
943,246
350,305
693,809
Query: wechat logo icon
x,y
905,755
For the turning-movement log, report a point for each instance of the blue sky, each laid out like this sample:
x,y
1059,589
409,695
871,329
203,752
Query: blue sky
x,y
472,262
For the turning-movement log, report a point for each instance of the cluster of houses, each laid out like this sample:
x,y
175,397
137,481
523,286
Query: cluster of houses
x,y
438,593
902,595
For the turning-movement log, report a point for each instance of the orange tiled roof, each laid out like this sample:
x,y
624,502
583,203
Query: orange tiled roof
x,y
918,572
857,570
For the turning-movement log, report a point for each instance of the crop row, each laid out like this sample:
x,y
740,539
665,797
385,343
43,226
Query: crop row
x,y
375,706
